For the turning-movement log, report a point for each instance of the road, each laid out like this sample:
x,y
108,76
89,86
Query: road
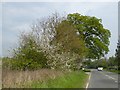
x,y
103,79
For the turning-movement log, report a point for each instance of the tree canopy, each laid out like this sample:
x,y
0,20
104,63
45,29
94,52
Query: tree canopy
x,y
118,54
96,37
68,39
61,43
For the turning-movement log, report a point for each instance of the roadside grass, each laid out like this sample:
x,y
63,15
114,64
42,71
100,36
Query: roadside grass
x,y
44,78
19,79
114,71
75,79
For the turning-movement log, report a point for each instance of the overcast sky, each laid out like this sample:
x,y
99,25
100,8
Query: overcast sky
x,y
18,17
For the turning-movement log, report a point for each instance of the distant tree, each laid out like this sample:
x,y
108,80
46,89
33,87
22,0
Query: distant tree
x,y
111,61
96,63
118,54
96,37
102,63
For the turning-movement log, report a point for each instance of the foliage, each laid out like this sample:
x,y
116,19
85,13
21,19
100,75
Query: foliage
x,y
61,43
28,55
102,63
87,70
95,63
69,44
96,37
6,63
112,61
114,71
89,64
118,54
108,64
63,51
67,38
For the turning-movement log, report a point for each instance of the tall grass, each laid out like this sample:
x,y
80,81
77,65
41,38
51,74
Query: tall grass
x,y
76,79
44,78
19,79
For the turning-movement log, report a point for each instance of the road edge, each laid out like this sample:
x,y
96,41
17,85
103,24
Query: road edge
x,y
88,81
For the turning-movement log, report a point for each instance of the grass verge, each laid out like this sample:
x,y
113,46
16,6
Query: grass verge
x,y
114,71
19,79
76,79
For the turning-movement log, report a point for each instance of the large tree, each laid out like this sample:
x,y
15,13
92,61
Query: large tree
x,y
96,37
68,41
111,61
60,42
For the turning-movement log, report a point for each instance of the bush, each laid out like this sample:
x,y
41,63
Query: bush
x,y
87,70
6,63
28,55
25,65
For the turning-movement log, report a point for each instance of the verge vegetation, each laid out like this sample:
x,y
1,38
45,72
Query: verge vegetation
x,y
77,79
58,44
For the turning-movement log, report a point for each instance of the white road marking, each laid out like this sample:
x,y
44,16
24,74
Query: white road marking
x,y
88,81
110,77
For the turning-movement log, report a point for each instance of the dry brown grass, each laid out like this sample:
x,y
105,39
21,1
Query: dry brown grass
x,y
18,79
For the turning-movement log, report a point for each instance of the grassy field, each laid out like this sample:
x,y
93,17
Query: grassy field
x,y
44,78
75,79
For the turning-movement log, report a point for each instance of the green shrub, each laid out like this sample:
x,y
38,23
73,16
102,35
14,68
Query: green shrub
x,y
6,63
87,70
27,64
30,61
28,55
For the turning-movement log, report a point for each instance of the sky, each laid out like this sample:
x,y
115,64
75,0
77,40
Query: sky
x,y
59,1
18,16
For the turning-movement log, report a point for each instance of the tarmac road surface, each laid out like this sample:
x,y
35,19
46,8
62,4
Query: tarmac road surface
x,y
103,79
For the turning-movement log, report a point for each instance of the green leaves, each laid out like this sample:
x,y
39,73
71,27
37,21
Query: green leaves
x,y
69,43
28,55
96,37
67,37
59,42
118,54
